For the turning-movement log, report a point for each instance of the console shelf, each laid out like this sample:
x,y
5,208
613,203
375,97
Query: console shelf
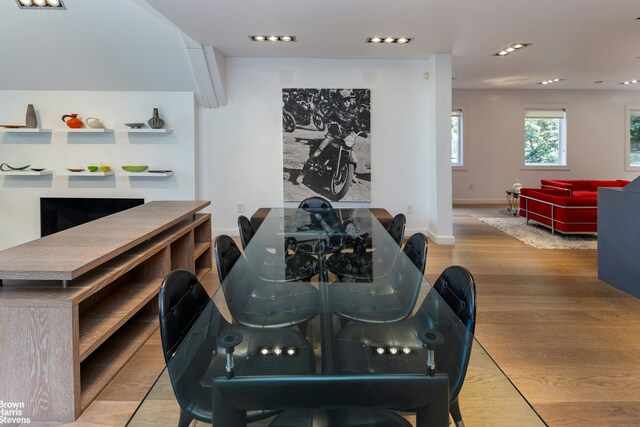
x,y
98,370
102,320
63,345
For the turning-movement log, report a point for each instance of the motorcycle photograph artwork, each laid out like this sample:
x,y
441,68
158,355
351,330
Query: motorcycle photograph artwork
x,y
326,140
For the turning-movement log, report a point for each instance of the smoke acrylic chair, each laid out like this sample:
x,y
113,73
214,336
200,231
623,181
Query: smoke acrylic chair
x,y
315,203
257,302
388,298
357,343
185,305
357,266
297,266
354,400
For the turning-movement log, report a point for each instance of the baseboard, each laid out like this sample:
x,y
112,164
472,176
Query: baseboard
x,y
480,201
441,240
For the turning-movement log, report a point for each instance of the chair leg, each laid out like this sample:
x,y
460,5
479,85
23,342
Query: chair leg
x,y
454,409
185,419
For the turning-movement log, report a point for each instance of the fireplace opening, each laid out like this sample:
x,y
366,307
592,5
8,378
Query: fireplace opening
x,y
61,213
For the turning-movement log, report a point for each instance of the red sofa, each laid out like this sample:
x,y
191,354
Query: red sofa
x,y
567,206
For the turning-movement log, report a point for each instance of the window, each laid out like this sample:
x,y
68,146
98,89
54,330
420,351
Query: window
x,y
456,138
545,138
633,138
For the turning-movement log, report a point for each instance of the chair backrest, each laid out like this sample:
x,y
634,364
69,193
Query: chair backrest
x,y
416,249
457,288
427,394
315,204
181,300
226,254
246,230
396,228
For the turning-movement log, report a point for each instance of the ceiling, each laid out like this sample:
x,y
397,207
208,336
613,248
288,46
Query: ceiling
x,y
581,41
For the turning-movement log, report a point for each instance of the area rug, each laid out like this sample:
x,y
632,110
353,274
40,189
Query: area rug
x,y
540,237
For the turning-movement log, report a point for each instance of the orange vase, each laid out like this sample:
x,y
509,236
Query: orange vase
x,y
72,121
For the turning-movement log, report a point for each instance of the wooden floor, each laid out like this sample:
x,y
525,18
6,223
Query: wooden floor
x,y
567,341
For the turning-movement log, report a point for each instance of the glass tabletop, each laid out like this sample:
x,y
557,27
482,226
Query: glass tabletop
x,y
324,292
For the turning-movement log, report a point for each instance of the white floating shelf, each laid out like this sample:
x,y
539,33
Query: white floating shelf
x,y
146,174
82,130
26,173
84,173
24,130
144,130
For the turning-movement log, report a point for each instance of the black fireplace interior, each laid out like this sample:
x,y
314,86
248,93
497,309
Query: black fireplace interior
x,y
60,213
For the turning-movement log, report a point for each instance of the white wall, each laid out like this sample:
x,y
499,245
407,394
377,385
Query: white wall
x,y
241,144
20,195
494,139
93,45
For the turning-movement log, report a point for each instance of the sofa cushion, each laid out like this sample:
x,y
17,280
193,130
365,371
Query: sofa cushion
x,y
551,195
585,194
594,184
556,184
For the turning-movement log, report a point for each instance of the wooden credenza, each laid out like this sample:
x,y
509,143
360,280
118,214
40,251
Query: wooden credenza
x,y
60,346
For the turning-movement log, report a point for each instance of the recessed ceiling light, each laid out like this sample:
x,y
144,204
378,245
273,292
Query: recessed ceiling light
x,y
546,82
629,82
510,49
389,40
40,4
264,38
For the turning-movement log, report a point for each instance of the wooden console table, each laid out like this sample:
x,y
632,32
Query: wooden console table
x,y
77,305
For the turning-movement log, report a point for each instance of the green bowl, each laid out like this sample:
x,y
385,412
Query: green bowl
x,y
92,168
134,168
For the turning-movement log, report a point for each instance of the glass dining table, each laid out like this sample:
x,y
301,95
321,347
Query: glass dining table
x,y
290,344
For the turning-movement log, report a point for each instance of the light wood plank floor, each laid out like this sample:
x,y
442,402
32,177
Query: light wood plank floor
x,y
567,341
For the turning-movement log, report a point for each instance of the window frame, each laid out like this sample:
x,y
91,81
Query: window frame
x,y
627,137
462,152
562,139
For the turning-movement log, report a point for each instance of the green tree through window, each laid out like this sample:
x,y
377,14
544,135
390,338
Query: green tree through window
x,y
634,132
542,141
545,140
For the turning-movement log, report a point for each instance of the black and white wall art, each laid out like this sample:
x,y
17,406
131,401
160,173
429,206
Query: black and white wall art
x,y
326,136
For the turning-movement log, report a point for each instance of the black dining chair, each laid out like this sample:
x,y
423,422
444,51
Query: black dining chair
x,y
297,265
396,228
192,361
396,347
258,302
246,230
